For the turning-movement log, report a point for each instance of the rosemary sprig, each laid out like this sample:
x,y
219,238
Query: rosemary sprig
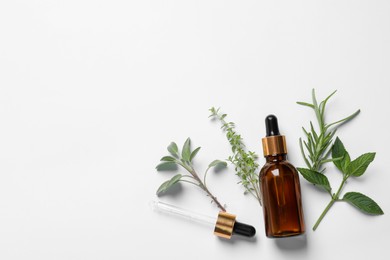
x,y
244,161
184,159
318,147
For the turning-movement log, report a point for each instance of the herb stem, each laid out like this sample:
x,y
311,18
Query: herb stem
x,y
184,160
244,161
335,198
330,204
190,182
188,176
203,186
204,176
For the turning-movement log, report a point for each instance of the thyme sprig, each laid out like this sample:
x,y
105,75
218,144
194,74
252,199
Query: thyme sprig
x,y
245,162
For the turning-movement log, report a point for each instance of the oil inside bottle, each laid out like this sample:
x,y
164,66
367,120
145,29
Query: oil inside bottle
x,y
280,188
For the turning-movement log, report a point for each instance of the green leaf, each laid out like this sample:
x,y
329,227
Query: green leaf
x,y
358,166
193,154
168,184
305,104
344,120
167,159
338,151
214,111
217,163
172,149
165,166
303,153
345,162
323,104
186,151
315,178
330,160
362,202
313,132
316,109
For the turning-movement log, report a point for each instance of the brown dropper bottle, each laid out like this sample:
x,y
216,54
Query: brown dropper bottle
x,y
279,185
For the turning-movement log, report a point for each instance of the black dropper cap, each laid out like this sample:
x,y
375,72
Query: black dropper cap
x,y
274,143
271,125
243,229
226,226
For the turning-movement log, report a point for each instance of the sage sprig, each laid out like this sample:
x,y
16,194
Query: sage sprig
x,y
320,147
184,159
245,162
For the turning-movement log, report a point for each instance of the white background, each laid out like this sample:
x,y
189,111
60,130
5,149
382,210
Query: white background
x,y
92,92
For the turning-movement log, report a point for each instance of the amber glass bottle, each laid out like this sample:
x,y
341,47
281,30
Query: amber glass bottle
x,y
280,188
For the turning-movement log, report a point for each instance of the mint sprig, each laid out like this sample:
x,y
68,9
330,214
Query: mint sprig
x,y
348,168
319,149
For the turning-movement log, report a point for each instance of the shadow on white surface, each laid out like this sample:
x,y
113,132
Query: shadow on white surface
x,y
237,239
297,243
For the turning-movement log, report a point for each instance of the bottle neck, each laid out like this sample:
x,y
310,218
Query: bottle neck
x,y
276,158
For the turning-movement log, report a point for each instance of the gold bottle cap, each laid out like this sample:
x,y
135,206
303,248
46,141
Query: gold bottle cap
x,y
224,226
273,145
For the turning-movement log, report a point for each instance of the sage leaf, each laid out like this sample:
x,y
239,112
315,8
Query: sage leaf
x,y
363,203
193,154
217,163
358,166
167,159
316,178
338,151
186,151
166,166
172,149
168,184
162,187
183,158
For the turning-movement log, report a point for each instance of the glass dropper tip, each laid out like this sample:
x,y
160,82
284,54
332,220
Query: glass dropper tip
x,y
222,223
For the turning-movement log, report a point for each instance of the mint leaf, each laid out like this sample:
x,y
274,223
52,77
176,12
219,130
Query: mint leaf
x,y
345,162
338,151
358,166
316,178
186,151
363,203
168,184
